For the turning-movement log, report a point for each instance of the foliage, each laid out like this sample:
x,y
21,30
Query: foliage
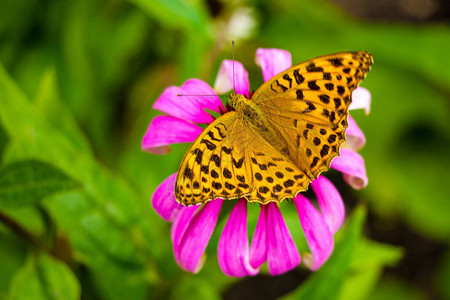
x,y
28,182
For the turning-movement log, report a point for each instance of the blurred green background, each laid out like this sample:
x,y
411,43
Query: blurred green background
x,y
77,82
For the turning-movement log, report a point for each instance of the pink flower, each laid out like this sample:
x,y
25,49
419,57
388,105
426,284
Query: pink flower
x,y
193,226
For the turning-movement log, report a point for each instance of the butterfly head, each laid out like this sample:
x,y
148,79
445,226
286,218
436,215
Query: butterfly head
x,y
236,100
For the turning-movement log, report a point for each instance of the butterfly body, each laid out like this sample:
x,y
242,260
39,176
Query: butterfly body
x,y
251,114
273,145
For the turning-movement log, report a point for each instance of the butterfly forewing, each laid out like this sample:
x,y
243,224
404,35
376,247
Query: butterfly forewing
x,y
344,69
208,169
309,103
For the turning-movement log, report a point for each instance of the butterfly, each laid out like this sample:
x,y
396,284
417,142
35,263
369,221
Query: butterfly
x,y
270,147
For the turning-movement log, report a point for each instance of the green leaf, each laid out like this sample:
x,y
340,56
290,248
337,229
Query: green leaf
x,y
369,254
48,101
3,141
366,268
44,278
176,13
28,182
358,285
13,254
195,288
399,289
328,280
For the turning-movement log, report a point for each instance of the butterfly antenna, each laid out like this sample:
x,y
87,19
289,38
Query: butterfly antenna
x,y
203,95
234,85
200,95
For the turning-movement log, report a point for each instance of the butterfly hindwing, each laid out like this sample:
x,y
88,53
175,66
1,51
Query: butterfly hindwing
x,y
274,176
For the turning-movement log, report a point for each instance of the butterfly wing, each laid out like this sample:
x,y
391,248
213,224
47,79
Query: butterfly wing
x,y
231,160
308,105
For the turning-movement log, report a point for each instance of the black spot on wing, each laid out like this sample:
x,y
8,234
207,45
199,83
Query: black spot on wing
x,y
313,85
337,62
298,77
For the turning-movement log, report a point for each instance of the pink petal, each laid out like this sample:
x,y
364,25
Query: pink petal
x,y
224,81
355,138
361,98
330,202
176,101
282,254
272,61
258,248
166,130
163,199
318,236
351,163
233,249
196,236
180,223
